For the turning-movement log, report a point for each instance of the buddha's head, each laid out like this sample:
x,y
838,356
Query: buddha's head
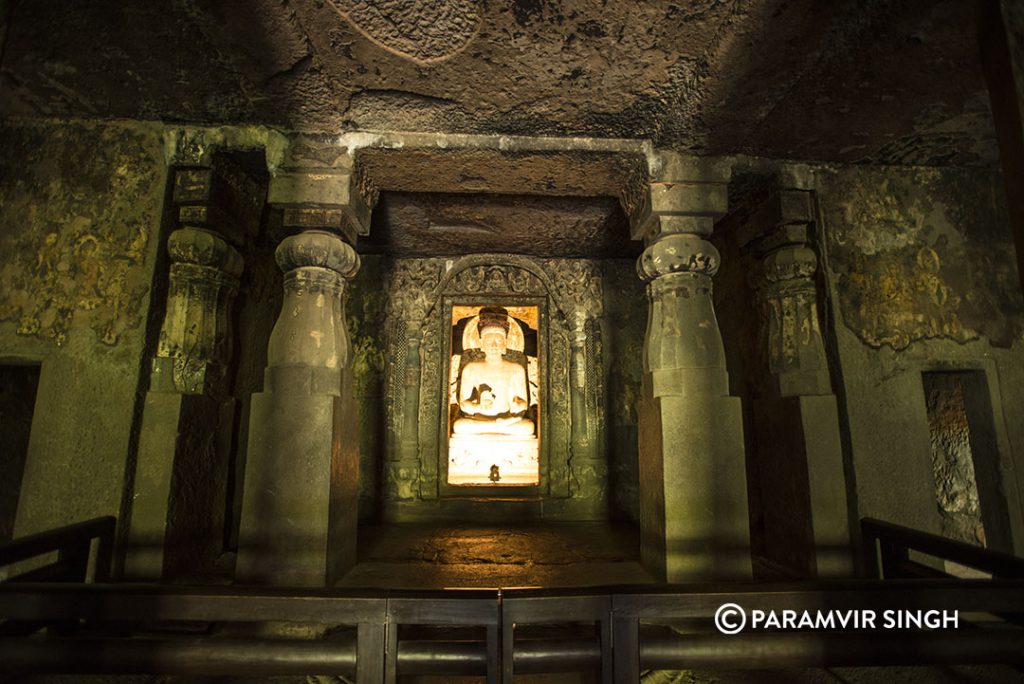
x,y
493,328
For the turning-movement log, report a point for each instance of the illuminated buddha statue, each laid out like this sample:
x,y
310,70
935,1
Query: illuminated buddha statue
x,y
493,395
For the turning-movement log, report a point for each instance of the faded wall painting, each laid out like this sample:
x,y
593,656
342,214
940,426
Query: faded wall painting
x,y
921,254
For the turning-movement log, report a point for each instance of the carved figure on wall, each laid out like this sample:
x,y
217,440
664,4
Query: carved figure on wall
x,y
493,393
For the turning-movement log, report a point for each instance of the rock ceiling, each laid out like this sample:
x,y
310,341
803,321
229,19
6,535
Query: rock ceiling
x,y
894,81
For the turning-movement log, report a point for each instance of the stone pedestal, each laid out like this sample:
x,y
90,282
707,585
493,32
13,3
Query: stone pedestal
x,y
178,506
693,492
299,507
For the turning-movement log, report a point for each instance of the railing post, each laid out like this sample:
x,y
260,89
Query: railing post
x,y
607,661
370,644
625,644
494,660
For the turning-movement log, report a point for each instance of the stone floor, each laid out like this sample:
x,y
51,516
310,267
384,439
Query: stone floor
x,y
422,556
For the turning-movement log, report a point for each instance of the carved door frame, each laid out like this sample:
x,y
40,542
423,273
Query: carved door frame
x,y
507,300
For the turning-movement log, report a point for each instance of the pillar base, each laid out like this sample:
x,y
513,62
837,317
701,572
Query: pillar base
x,y
177,520
299,513
693,510
804,485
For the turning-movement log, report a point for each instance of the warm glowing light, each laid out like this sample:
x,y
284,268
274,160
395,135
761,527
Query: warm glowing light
x,y
472,459
494,436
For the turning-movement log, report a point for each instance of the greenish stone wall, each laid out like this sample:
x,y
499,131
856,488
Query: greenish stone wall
x,y
921,277
79,233
625,313
365,311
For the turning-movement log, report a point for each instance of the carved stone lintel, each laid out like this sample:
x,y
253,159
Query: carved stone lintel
x,y
194,346
311,332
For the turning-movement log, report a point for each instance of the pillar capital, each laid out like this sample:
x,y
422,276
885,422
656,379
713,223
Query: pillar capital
x,y
777,234
194,346
317,248
204,248
678,253
338,199
677,194
309,346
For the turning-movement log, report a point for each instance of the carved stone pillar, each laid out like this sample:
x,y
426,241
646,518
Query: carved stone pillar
x,y
799,458
178,504
693,494
402,473
301,492
299,507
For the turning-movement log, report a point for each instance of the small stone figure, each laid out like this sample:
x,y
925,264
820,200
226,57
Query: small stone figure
x,y
495,474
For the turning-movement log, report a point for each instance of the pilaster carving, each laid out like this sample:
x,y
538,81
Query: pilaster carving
x,y
789,316
786,293
194,346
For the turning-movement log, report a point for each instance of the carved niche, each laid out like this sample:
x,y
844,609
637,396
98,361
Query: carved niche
x,y
422,293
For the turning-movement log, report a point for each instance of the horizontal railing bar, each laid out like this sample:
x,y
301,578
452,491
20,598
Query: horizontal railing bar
x,y
58,571
33,545
211,656
23,601
537,656
553,609
443,611
450,658
797,650
980,558
123,604
266,657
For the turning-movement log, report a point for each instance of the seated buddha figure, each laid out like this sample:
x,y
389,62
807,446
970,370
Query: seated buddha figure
x,y
493,396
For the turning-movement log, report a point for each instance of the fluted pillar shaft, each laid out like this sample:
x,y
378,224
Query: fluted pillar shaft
x,y
299,507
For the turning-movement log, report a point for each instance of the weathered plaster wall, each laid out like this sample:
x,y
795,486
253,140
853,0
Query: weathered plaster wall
x,y
78,237
920,269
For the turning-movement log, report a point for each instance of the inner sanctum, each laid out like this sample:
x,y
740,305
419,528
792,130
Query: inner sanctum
x,y
494,397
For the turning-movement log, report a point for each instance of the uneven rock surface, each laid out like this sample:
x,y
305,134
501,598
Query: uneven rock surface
x,y
850,80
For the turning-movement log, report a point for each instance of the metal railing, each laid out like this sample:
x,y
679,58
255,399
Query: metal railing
x,y
377,636
73,546
888,548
